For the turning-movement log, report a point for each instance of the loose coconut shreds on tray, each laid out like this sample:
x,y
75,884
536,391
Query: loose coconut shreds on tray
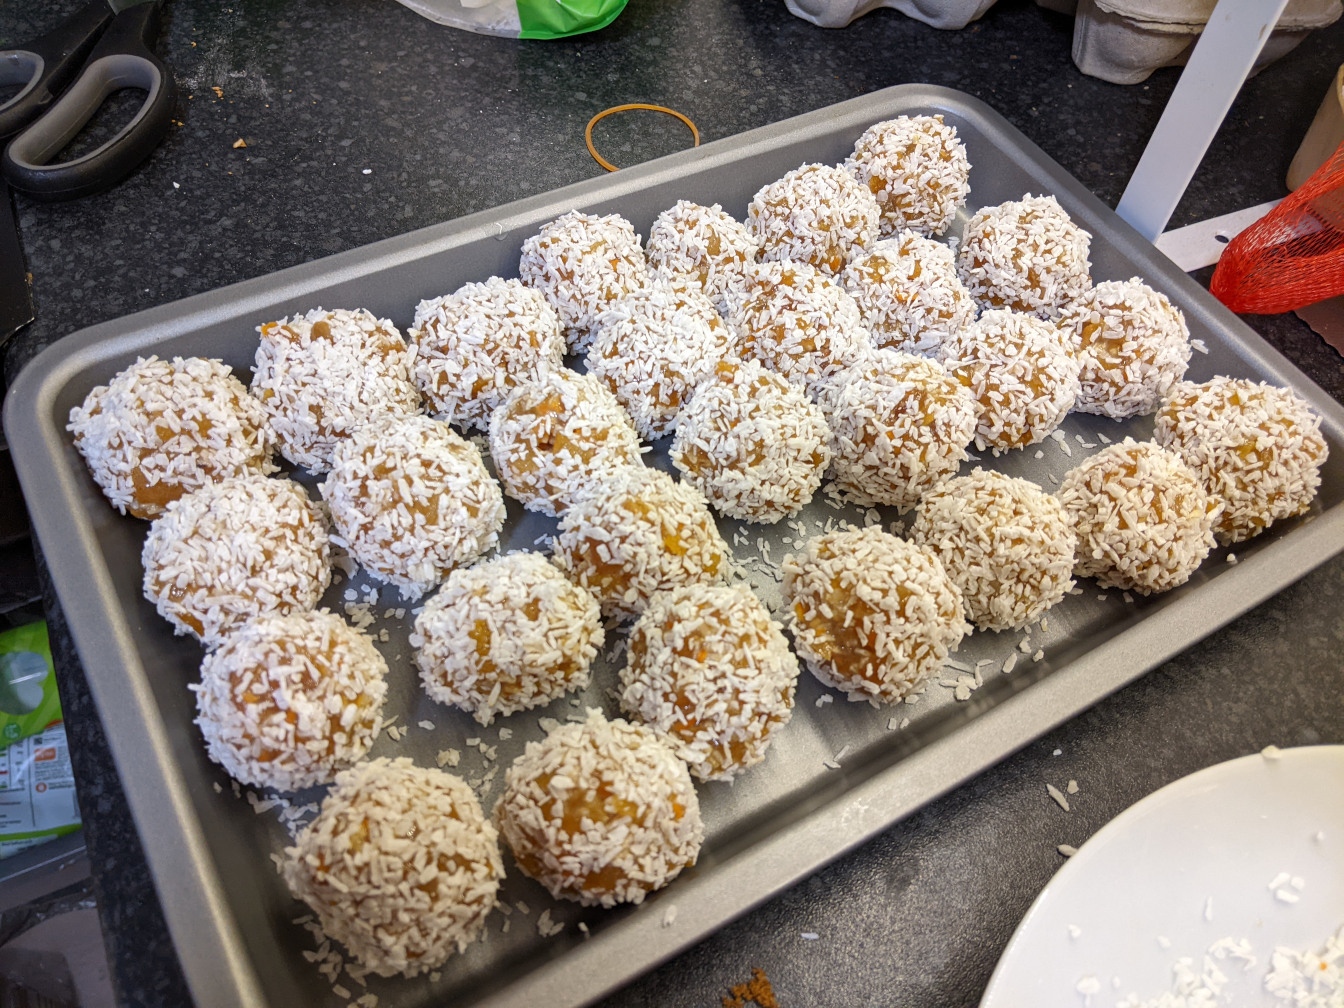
x,y
580,262
871,615
900,431
701,242
909,293
799,323
1131,343
1256,447
752,442
1026,255
1006,543
600,812
916,167
507,635
400,866
553,437
816,214
1144,521
232,550
710,671
638,533
161,428
475,345
411,500
651,349
1022,372
322,375
289,699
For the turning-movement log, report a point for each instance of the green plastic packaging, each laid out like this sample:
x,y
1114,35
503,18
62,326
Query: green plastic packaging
x,y
28,698
527,19
37,781
552,19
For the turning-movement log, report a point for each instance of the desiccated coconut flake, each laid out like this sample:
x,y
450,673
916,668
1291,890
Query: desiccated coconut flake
x,y
1058,796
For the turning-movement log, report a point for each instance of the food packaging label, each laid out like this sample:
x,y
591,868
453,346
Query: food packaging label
x,y
37,791
37,782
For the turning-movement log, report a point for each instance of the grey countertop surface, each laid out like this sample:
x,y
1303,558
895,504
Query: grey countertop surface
x,y
362,120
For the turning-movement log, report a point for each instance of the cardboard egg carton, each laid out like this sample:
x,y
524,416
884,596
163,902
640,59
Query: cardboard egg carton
x,y
949,14
1124,41
1121,41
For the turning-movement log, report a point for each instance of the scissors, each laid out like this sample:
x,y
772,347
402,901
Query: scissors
x,y
65,77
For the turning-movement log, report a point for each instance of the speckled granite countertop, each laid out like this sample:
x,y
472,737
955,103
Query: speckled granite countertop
x,y
363,120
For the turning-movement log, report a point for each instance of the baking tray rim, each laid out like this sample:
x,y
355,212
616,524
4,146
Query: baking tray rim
x,y
194,904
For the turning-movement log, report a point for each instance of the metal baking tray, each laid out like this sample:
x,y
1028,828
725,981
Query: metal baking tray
x,y
232,920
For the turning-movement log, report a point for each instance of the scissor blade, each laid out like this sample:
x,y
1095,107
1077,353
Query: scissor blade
x,y
120,5
16,293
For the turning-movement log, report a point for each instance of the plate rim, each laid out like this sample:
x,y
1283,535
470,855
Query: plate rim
x,y
1220,775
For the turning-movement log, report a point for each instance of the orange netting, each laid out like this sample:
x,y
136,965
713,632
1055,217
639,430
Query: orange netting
x,y
1294,255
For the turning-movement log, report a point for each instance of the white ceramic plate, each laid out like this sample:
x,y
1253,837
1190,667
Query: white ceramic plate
x,y
1192,863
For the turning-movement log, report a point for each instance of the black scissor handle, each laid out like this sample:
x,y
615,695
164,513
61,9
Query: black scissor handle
x,y
47,64
122,58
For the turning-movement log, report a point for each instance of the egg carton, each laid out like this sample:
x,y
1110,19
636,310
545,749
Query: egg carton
x,y
1121,41
1124,41
950,14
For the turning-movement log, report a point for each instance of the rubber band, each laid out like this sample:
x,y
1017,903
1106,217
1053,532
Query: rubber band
x,y
588,131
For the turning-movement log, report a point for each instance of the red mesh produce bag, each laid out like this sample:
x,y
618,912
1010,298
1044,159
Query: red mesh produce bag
x,y
1294,255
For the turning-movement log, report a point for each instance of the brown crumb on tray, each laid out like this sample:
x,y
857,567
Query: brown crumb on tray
x,y
755,991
